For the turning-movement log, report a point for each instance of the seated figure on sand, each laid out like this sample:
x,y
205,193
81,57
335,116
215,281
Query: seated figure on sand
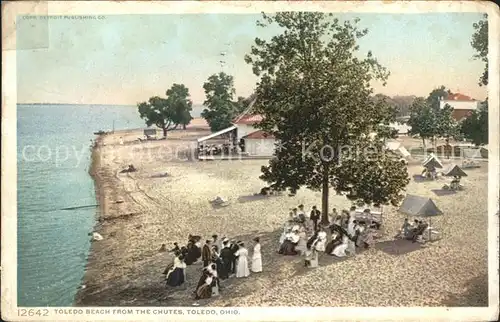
x,y
212,269
364,236
130,168
321,241
334,242
405,229
341,248
205,284
291,241
176,275
454,184
417,230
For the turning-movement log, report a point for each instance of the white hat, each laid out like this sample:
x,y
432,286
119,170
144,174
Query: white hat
x,y
225,240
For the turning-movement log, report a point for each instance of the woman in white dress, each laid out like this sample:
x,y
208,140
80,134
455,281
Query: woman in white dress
x,y
212,269
302,243
321,242
256,257
242,263
283,235
339,251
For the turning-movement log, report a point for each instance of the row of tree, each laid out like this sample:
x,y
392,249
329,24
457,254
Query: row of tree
x,y
429,121
174,110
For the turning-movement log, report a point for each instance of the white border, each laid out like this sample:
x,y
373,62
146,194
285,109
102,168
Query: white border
x,y
9,167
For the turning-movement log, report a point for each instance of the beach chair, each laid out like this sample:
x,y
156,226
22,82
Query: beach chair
x,y
219,202
373,217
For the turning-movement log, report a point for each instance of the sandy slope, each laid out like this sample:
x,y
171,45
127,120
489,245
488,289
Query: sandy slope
x,y
125,268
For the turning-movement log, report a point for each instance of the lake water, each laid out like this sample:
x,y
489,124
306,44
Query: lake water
x,y
53,149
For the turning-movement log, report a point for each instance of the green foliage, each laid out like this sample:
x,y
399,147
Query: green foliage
x,y
422,119
178,99
446,126
480,44
244,102
167,113
435,96
428,120
475,127
315,96
220,109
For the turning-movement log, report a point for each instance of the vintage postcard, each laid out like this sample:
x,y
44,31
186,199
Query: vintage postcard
x,y
240,160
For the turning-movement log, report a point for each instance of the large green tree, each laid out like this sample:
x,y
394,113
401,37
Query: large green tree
x,y
429,120
220,107
480,44
315,96
475,127
168,113
178,99
422,119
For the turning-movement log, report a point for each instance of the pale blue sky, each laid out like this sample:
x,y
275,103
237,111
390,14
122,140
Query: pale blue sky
x,y
125,59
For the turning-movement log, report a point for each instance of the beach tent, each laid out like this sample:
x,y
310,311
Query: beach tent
x,y
454,170
417,206
432,161
398,148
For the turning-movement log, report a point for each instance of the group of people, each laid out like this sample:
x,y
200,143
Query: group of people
x,y
216,149
347,233
413,231
221,259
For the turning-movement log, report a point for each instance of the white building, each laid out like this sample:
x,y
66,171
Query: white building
x,y
254,141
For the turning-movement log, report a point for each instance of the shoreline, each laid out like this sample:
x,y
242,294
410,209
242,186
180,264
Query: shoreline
x,y
94,172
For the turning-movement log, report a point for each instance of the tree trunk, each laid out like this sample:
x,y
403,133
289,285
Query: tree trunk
x,y
324,198
183,126
165,132
423,143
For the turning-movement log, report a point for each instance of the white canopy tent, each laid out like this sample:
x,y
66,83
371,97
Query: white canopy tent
x,y
398,148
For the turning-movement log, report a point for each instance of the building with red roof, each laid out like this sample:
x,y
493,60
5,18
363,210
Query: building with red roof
x,y
244,132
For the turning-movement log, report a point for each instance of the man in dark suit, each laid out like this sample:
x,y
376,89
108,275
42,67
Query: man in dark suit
x,y
234,248
227,259
206,254
315,216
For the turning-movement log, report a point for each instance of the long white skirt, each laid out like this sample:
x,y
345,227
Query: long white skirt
x,y
257,264
339,251
242,267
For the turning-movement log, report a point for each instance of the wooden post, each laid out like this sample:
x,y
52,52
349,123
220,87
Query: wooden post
x,y
230,142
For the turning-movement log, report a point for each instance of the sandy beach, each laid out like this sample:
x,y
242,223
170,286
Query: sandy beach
x,y
140,211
